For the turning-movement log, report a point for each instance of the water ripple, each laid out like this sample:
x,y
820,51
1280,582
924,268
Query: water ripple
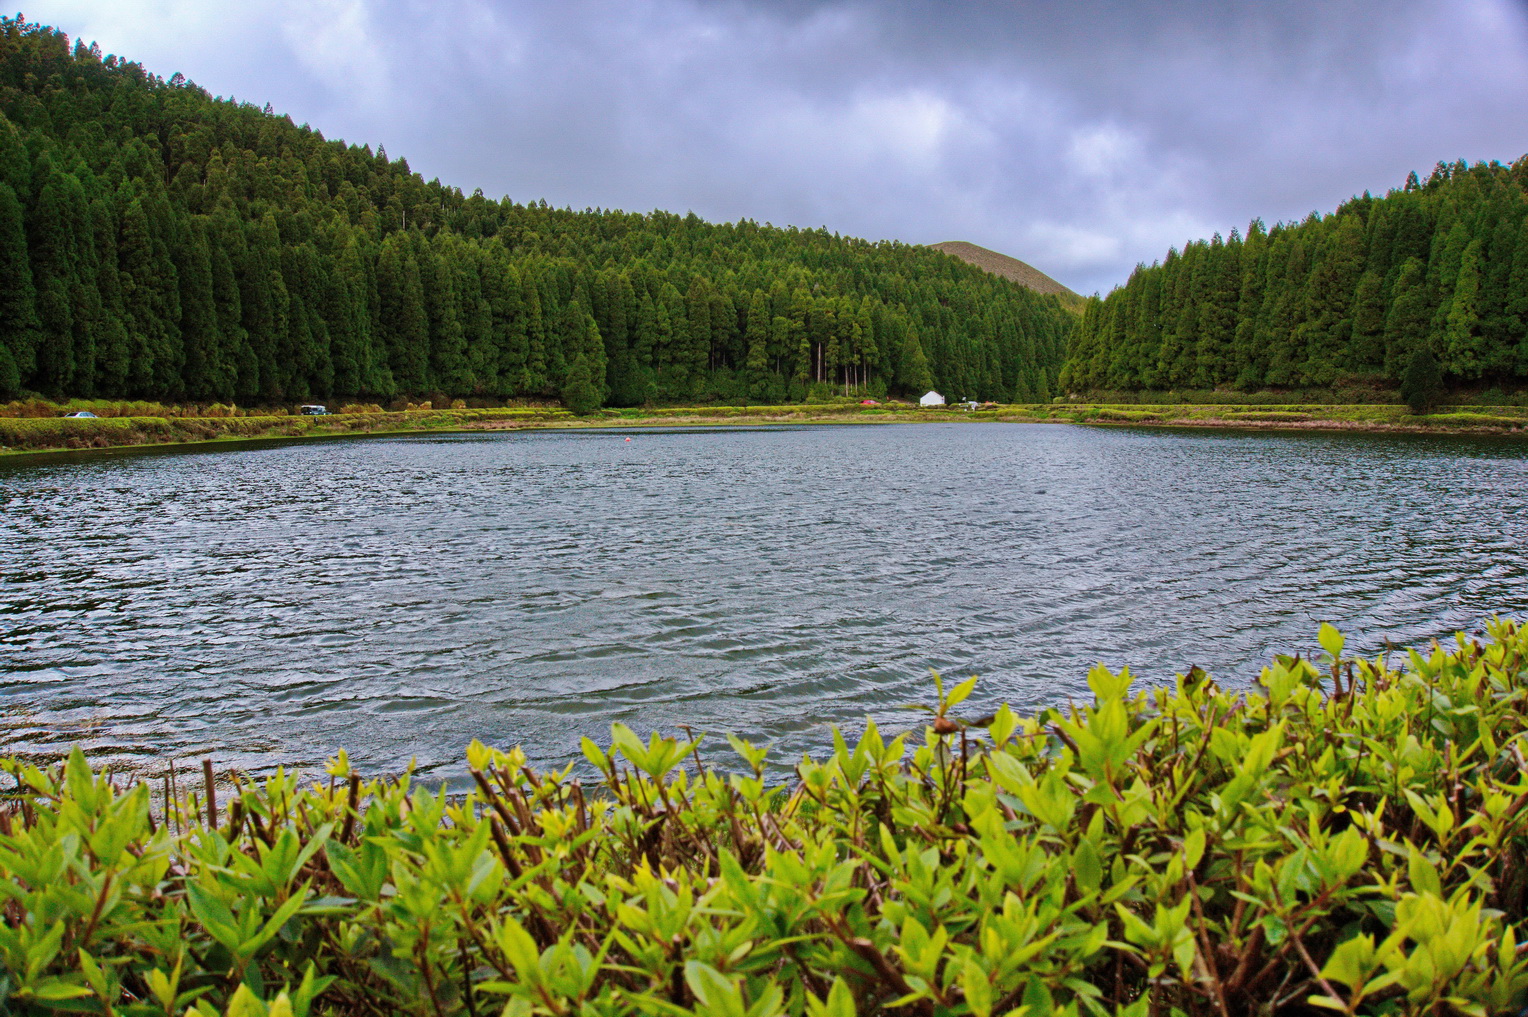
x,y
398,597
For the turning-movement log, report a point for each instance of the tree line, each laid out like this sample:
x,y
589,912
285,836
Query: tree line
x,y
159,242
1424,286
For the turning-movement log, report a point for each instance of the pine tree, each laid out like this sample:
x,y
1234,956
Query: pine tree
x,y
200,330
1368,344
1464,353
578,391
1406,325
57,240
1516,303
405,324
756,334
1221,292
113,348
1422,380
1327,327
18,298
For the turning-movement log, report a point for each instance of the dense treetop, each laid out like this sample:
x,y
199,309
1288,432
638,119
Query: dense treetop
x,y
1431,279
158,242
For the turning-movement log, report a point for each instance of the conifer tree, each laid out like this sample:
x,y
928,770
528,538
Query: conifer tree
x,y
578,391
1328,301
405,324
200,330
1422,380
756,333
1464,349
1406,325
18,298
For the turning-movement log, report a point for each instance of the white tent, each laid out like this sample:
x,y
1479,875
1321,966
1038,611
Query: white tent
x,y
931,398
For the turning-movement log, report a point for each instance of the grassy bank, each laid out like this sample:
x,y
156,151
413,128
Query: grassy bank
x,y
1350,837
46,434
1303,416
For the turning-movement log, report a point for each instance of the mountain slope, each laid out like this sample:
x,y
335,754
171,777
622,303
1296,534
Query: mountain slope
x,y
1008,268
159,242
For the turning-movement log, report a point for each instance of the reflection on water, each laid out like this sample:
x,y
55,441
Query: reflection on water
x,y
401,596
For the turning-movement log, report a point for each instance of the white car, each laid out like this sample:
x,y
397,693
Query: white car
x,y
81,413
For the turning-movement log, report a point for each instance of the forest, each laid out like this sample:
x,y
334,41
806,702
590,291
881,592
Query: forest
x,y
1422,288
158,242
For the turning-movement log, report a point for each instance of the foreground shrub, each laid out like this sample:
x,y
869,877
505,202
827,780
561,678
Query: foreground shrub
x,y
1347,839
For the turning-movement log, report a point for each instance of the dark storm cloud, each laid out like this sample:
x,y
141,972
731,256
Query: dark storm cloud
x,y
1082,137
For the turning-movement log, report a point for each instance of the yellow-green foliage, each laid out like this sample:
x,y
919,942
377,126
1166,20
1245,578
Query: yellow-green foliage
x,y
1126,415
1291,415
1349,838
1464,419
116,408
106,432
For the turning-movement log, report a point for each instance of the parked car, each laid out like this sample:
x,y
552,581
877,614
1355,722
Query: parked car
x,y
313,411
81,413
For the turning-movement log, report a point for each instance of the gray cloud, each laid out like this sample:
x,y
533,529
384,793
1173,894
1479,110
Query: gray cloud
x,y
1082,137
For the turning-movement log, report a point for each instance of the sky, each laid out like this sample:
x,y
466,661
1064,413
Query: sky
x,y
1082,136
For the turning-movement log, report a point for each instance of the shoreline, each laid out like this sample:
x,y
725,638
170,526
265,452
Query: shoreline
x,y
128,433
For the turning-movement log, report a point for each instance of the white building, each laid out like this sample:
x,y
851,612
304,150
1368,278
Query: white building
x,y
931,398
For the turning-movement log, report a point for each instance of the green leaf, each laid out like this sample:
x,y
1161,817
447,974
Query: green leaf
x,y
1106,685
713,990
594,754
977,987
1423,874
1193,848
959,693
1351,962
1087,866
214,916
1331,640
283,914
52,990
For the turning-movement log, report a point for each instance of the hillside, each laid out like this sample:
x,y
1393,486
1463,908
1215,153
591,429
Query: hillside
x,y
1002,265
1423,288
158,242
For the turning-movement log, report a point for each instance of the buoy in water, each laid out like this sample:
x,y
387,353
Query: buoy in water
x,y
628,439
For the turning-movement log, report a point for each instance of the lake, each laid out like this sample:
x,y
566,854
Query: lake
x,y
398,597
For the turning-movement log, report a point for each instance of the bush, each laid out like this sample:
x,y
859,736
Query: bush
x,y
1352,838
30,408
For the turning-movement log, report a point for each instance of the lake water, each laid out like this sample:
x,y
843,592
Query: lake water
x,y
401,596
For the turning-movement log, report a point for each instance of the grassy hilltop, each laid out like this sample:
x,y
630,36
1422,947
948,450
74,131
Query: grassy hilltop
x,y
1009,268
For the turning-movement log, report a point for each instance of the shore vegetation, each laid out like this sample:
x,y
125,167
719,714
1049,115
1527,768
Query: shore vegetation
x,y
1349,835
180,425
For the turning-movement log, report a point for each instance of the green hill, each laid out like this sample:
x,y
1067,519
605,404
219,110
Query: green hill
x,y
1423,287
1018,271
157,242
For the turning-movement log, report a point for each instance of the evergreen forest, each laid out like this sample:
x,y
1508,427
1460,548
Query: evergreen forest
x,y
1424,287
157,242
